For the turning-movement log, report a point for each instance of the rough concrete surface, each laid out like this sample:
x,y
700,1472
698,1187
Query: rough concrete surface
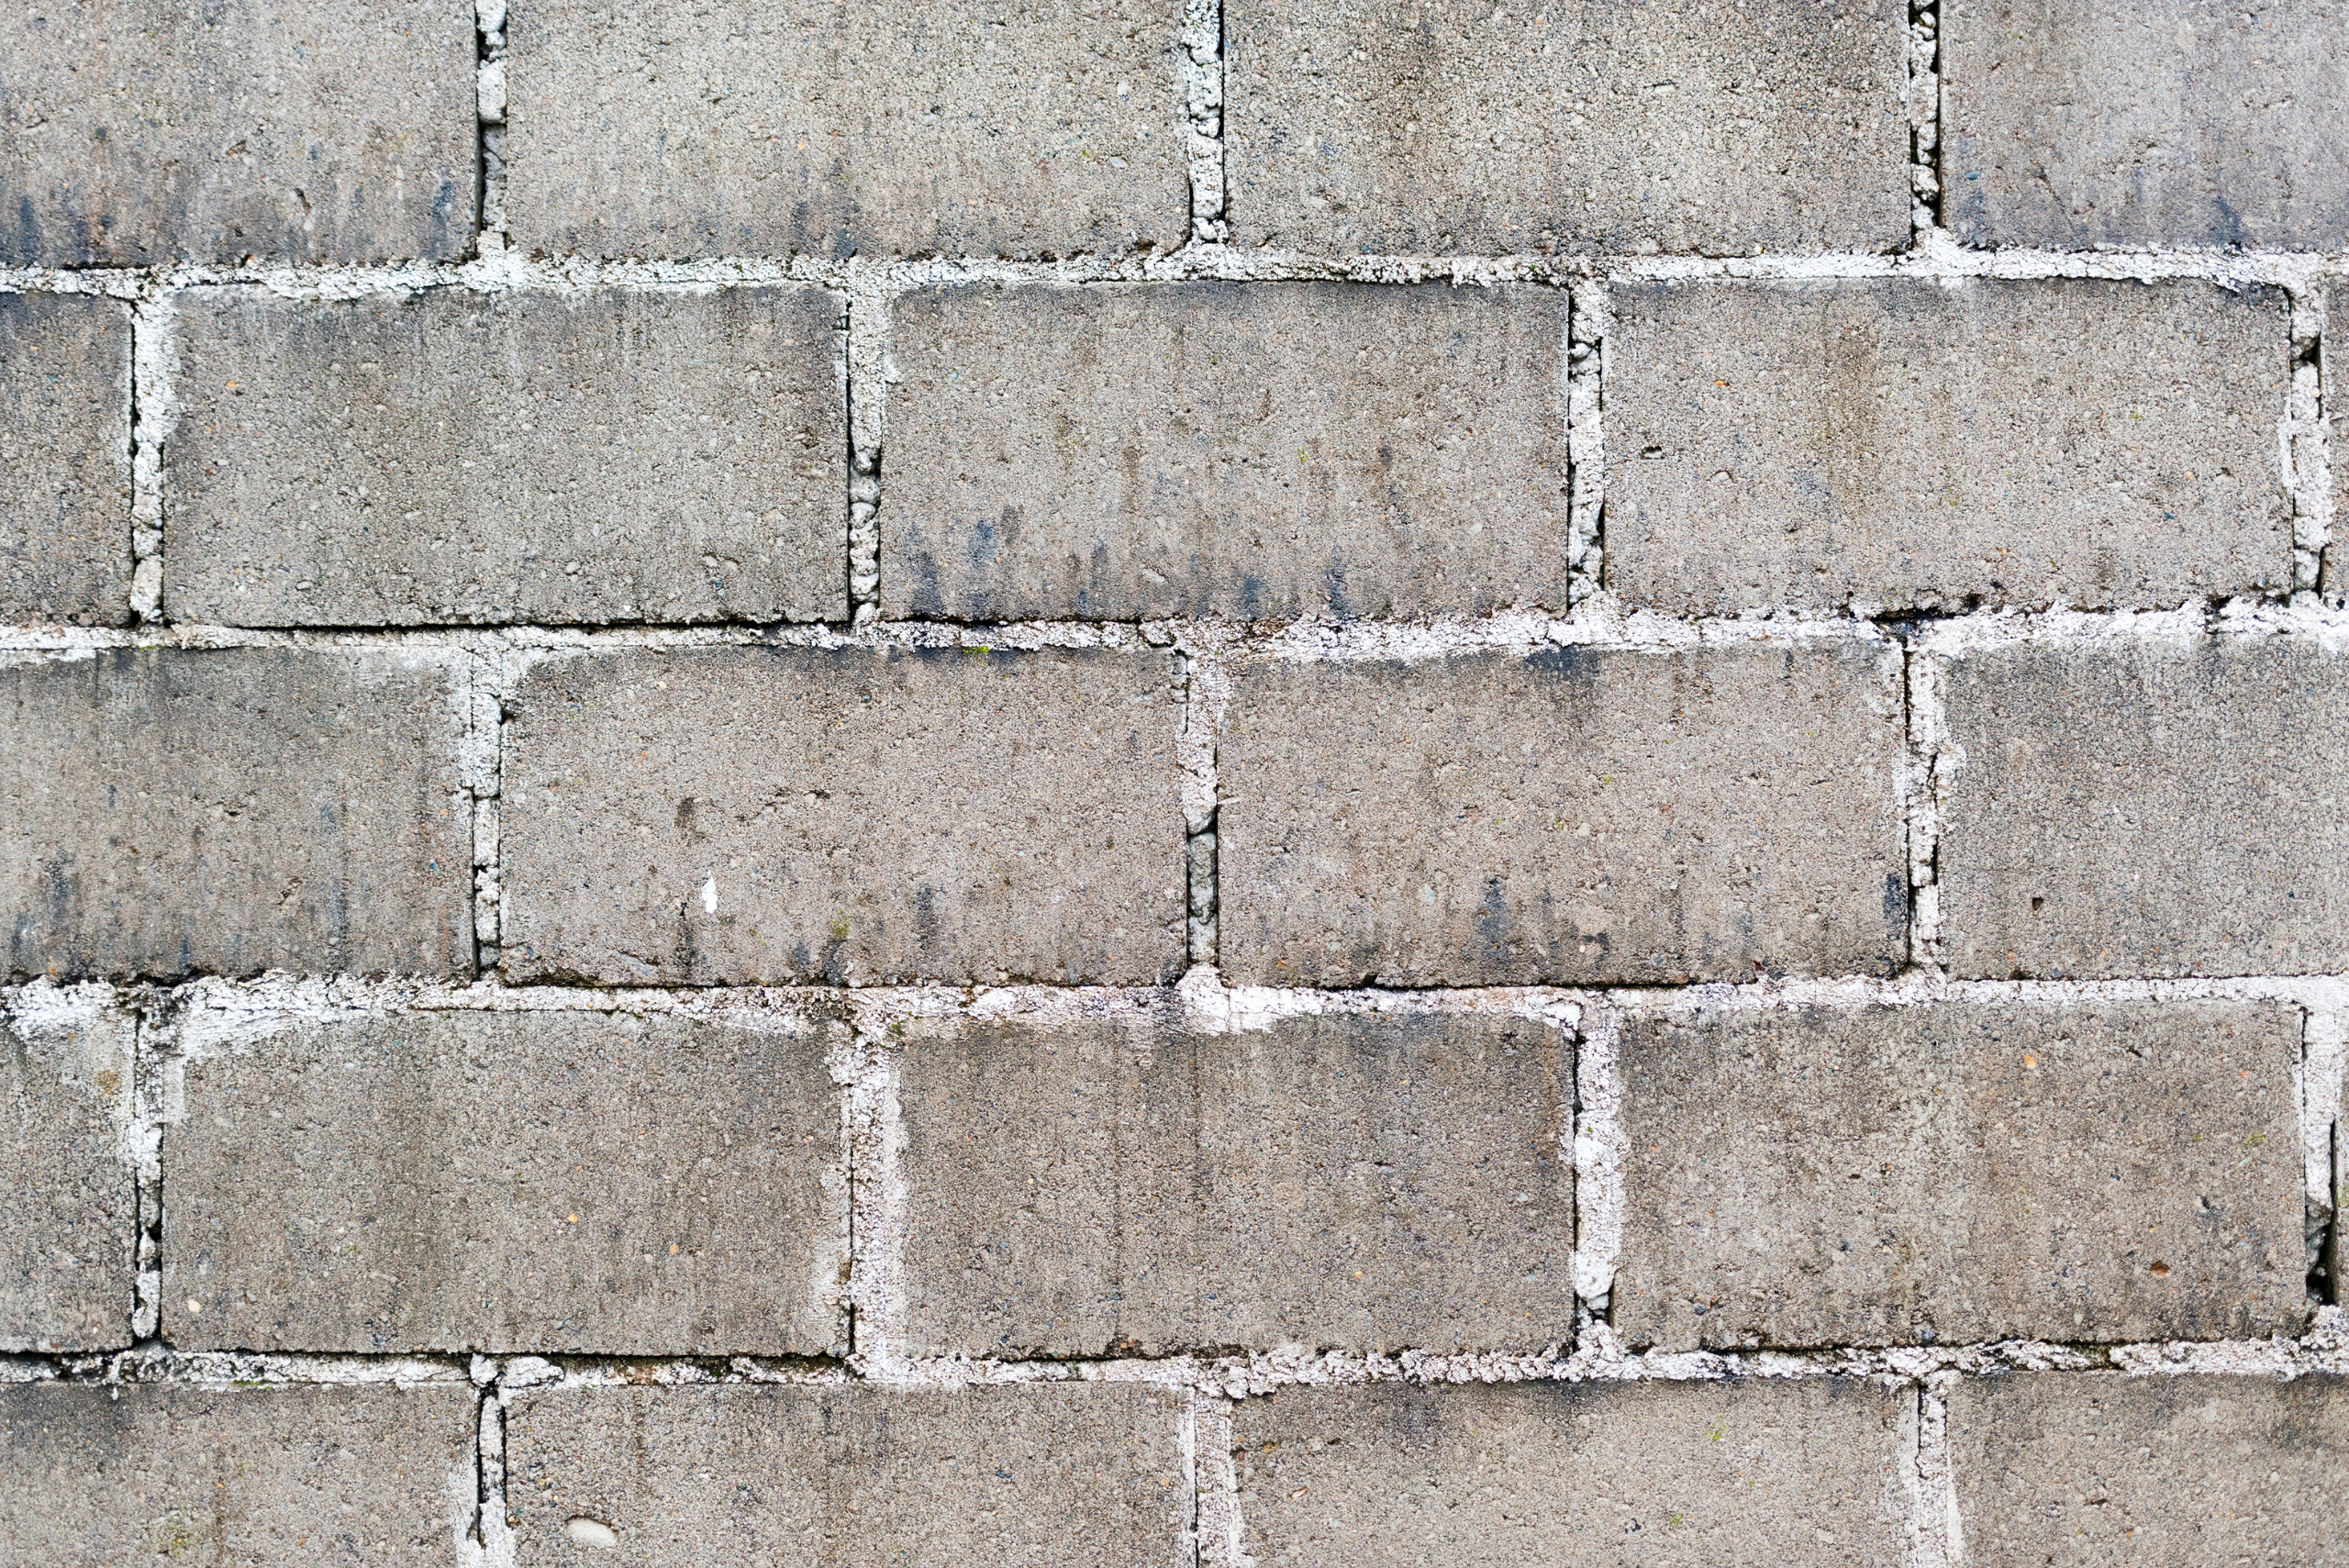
x,y
1961,1173
1096,1187
508,1180
172,812
1249,450
1652,1474
64,459
68,1231
824,127
2151,807
715,816
1456,126
2074,123
1580,814
519,456
139,133
1049,1475
1898,443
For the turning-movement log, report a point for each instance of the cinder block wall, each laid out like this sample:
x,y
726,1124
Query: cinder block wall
x,y
1121,782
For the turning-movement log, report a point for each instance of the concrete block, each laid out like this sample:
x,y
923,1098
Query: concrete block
x,y
1579,815
2077,124
1098,1186
890,128
290,130
511,1181
69,1240
1449,126
1250,449
1961,1173
181,811
727,815
1903,442
64,459
1053,1475
274,1478
622,455
1799,1472
2146,807
2159,1472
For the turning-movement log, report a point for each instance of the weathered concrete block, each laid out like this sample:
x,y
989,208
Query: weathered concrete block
x,y
1584,814
2160,1471
64,459
180,811
506,1181
1088,1186
2069,124
1074,1473
940,127
455,456
2151,806
724,814
1961,1173
277,1477
1253,449
1797,1472
69,1245
291,131
1903,442
1448,126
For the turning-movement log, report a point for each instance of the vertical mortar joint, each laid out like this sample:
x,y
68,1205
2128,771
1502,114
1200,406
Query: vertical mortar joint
x,y
1199,54
1924,118
489,116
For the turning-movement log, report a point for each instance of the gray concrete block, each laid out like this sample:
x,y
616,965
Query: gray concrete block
x,y
511,1182
1080,1475
181,811
146,133
1579,815
1903,442
1801,1472
64,459
69,1243
1450,126
2146,807
1250,450
274,1478
450,455
2072,124
1960,1173
2159,1472
890,128
1097,1186
724,815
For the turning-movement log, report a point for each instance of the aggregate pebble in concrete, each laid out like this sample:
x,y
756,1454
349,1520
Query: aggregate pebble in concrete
x,y
1455,127
1800,1472
508,1180
1046,1475
178,811
1096,1187
1961,1173
890,128
64,459
729,815
1579,815
1250,449
1898,442
68,1232
454,456
145,133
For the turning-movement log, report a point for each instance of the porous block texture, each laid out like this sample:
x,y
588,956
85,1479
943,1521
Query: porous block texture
x,y
179,811
1248,450
69,1231
820,127
451,455
1896,443
64,459
1577,815
1095,1186
1057,1476
712,816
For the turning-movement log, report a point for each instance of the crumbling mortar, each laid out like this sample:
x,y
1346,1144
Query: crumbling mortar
x,y
2304,443
867,371
1207,696
489,114
490,1542
1929,759
153,412
1586,382
1934,1541
1199,75
1924,119
2324,1052
1216,1538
